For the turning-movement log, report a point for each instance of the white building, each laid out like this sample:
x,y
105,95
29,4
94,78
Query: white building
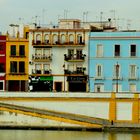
x,y
58,57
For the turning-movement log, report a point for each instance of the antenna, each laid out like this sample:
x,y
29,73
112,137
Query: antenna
x,y
101,18
113,16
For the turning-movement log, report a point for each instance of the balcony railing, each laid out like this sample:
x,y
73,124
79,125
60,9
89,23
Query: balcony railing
x,y
133,54
74,57
80,71
57,43
17,73
38,57
42,71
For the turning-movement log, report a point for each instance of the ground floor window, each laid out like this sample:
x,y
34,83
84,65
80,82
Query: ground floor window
x,y
98,87
1,85
15,85
132,87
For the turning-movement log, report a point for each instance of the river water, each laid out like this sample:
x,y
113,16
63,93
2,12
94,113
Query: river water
x,y
65,135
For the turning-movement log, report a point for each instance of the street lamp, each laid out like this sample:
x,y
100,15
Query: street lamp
x,y
117,76
64,76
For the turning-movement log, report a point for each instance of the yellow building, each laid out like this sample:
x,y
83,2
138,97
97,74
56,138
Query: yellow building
x,y
17,61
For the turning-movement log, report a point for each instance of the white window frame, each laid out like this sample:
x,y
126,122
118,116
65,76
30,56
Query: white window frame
x,y
130,89
131,74
100,85
99,51
101,70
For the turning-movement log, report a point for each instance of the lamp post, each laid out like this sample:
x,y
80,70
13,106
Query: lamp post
x,y
117,76
64,76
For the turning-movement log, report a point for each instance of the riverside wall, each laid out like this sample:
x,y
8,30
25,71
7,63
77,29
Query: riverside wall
x,y
116,107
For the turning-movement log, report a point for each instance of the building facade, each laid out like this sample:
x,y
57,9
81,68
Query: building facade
x,y
17,61
114,61
58,57
2,62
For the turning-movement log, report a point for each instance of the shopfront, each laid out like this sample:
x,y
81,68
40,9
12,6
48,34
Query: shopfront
x,y
41,83
77,83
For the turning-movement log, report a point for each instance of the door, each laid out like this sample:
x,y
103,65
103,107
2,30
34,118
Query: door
x,y
58,86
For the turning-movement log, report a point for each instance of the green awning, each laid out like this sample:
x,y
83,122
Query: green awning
x,y
46,78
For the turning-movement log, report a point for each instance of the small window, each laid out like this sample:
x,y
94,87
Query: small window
x,y
13,50
2,67
117,51
99,87
22,50
133,50
1,86
132,87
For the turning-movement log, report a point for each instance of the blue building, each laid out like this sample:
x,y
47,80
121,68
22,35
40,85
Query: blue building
x,y
114,62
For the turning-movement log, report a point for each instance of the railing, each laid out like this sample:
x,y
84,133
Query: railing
x,y
17,73
117,54
78,71
41,71
133,54
74,57
56,43
41,57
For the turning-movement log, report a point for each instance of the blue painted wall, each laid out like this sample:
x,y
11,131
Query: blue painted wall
x,y
108,60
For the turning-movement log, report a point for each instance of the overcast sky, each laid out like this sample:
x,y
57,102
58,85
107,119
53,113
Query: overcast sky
x,y
127,12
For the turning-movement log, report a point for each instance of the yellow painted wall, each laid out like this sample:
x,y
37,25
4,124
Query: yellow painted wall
x,y
17,42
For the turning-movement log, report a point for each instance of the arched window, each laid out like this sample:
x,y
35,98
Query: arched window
x,y
79,39
46,39
55,39
71,39
38,39
63,39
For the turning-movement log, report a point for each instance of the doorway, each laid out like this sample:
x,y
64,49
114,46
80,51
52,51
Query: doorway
x,y
58,86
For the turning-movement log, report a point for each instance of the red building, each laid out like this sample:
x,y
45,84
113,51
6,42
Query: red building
x,y
2,62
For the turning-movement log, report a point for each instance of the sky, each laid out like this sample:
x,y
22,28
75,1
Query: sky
x,y
125,12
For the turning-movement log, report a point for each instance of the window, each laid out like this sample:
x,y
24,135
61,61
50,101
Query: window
x,y
99,51
71,39
1,85
1,47
79,39
117,50
116,71
132,87
99,87
132,73
63,39
22,50
38,39
13,50
78,54
38,68
21,67
71,53
133,50
2,68
99,71
13,67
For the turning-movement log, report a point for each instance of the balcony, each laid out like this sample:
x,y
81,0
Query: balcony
x,y
41,58
117,78
17,73
79,71
74,57
21,56
42,71
56,43
133,54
